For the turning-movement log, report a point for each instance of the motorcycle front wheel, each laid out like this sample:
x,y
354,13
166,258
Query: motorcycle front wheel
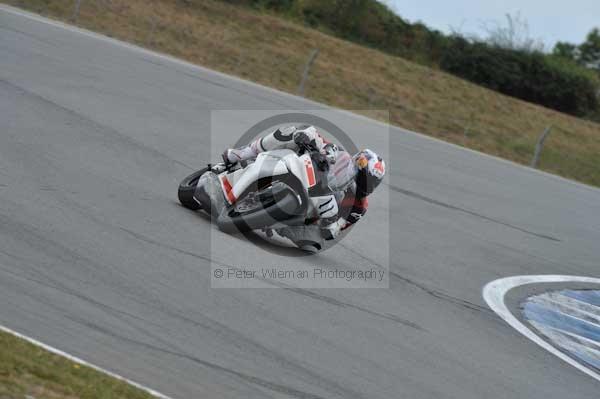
x,y
187,188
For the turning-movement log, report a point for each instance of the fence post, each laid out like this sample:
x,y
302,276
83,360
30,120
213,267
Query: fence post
x,y
538,147
75,15
311,60
153,25
372,96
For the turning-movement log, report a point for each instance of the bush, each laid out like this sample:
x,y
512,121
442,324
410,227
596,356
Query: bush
x,y
550,81
367,22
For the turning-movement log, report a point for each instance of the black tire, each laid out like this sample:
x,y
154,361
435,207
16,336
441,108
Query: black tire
x,y
283,209
187,188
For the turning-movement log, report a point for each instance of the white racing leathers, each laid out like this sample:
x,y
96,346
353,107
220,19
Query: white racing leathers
x,y
341,209
310,236
276,140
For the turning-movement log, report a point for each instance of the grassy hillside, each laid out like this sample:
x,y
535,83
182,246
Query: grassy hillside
x,y
272,51
511,66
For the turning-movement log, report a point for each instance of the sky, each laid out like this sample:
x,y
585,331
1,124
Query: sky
x,y
549,21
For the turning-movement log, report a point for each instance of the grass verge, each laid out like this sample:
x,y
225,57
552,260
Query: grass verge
x,y
30,372
272,51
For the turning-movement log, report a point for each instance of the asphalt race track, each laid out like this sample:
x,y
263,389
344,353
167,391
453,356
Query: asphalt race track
x,y
98,259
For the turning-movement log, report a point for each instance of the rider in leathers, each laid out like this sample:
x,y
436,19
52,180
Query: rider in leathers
x,y
368,169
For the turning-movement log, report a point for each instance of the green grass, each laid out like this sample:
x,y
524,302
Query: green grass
x,y
272,51
28,371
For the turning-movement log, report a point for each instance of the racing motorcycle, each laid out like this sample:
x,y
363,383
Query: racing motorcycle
x,y
279,188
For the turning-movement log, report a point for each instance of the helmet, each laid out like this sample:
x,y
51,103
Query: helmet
x,y
370,169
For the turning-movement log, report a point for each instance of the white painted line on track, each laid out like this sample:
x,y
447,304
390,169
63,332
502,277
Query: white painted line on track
x,y
165,57
495,291
84,363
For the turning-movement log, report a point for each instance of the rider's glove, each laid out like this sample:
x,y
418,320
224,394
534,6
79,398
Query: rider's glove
x,y
321,161
333,230
331,152
226,158
302,140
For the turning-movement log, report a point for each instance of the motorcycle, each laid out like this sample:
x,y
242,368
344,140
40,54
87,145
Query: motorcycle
x,y
279,188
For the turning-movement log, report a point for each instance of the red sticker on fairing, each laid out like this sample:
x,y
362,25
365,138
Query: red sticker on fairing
x,y
310,172
228,189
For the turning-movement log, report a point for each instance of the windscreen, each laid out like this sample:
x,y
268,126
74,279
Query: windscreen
x,y
341,173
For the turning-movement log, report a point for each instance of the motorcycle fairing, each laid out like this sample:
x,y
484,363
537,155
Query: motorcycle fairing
x,y
268,164
323,207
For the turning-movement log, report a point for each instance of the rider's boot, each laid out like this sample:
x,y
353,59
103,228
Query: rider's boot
x,y
234,155
279,138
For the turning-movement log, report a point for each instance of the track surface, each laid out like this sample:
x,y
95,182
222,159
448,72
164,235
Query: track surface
x,y
97,258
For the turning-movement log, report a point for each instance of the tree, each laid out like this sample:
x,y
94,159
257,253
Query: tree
x,y
590,50
514,36
566,50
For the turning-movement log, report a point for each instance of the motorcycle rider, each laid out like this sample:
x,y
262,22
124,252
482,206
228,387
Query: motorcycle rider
x,y
366,170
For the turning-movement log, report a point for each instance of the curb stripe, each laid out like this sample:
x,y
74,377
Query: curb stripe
x,y
495,291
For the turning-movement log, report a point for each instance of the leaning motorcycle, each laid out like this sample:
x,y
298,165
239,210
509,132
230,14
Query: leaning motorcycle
x,y
279,188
